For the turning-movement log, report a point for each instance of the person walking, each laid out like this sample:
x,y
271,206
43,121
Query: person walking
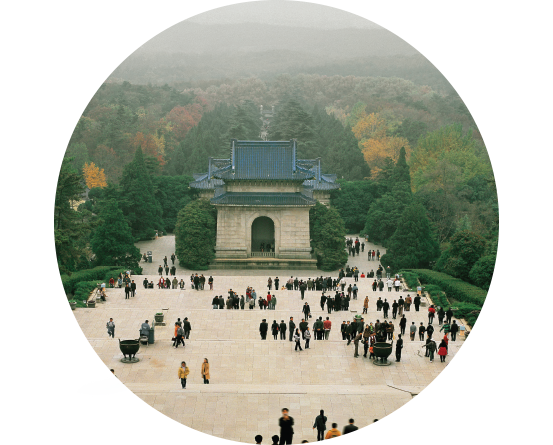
x,y
365,304
297,339
431,313
412,331
449,316
320,424
385,308
307,336
110,325
349,428
333,432
442,351
270,284
454,330
127,291
327,324
430,348
356,343
291,327
205,371
306,310
399,347
395,305
417,302
402,325
390,331
187,327
446,328
183,374
286,424
422,330
179,332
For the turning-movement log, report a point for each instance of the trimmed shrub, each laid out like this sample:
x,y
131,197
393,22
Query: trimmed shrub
x,y
83,289
453,287
97,273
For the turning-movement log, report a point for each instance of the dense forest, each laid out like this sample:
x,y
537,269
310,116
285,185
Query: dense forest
x,y
401,151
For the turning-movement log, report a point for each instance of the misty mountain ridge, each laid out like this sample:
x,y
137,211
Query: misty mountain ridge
x,y
188,37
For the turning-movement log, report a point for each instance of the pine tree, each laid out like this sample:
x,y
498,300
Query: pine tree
x,y
112,241
195,234
70,228
293,122
138,202
345,158
400,174
328,235
413,244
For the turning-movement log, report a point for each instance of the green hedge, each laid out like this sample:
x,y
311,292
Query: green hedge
x,y
97,274
83,289
469,299
454,287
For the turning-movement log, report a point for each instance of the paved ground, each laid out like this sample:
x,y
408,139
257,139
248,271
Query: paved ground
x,y
251,379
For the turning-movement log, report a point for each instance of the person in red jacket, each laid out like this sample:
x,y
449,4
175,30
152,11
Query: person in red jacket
x,y
431,313
442,351
327,324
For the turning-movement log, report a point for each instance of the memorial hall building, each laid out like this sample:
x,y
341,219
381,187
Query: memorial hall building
x,y
263,194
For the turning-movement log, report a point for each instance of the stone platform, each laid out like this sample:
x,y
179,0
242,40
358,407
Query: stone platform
x,y
252,379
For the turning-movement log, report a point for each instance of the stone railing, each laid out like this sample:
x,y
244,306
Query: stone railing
x,y
263,254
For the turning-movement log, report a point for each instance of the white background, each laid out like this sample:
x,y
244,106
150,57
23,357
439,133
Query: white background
x,y
27,118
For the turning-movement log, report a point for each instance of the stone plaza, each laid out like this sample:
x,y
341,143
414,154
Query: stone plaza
x,y
253,379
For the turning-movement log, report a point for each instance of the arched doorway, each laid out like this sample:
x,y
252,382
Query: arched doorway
x,y
263,235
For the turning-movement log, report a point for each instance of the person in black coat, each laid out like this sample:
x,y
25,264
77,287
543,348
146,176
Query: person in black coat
x,y
448,315
395,305
429,330
323,301
145,283
306,310
454,329
291,327
417,302
187,327
422,330
441,315
286,424
303,328
127,291
379,304
402,324
350,428
385,308
399,347
263,328
320,424
282,329
274,329
160,270
133,288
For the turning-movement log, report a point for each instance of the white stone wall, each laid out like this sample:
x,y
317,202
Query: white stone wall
x,y
234,225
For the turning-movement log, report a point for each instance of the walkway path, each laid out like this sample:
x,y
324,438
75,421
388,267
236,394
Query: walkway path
x,y
251,379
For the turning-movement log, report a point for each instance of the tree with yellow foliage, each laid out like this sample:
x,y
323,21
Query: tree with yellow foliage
x,y
94,176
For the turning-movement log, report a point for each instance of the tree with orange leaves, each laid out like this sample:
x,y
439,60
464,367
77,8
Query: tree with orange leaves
x,y
94,176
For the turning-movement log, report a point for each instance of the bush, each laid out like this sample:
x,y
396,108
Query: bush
x,y
97,273
482,272
453,287
412,279
83,289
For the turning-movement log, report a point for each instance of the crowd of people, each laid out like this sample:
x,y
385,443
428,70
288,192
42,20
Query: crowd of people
x,y
286,425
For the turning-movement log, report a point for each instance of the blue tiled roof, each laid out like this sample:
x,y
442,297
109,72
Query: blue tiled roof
x,y
264,199
259,160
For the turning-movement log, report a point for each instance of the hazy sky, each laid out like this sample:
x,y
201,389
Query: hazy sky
x,y
282,12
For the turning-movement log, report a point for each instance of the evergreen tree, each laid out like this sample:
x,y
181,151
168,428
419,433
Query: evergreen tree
x,y
112,241
328,236
413,244
465,250
346,159
293,122
400,174
138,202
195,234
353,200
245,123
70,228
482,272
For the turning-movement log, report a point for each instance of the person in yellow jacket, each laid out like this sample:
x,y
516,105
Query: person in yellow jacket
x,y
183,374
205,371
333,432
